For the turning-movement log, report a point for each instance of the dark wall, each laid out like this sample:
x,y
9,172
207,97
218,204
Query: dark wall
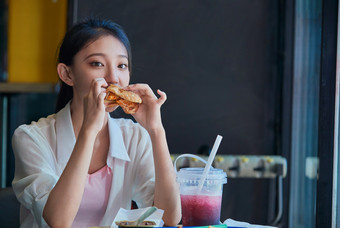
x,y
217,61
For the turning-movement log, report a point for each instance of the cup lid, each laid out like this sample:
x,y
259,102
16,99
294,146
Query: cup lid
x,y
186,175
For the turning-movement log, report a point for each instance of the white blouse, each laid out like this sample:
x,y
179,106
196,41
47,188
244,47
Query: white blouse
x,y
42,150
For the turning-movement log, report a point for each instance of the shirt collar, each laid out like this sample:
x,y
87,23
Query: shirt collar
x,y
117,147
66,138
65,134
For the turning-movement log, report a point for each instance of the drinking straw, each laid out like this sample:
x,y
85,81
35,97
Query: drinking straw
x,y
210,160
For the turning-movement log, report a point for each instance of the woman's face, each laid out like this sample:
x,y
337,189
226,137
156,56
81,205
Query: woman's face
x,y
104,58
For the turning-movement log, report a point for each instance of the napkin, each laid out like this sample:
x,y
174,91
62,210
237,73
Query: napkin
x,y
231,222
132,215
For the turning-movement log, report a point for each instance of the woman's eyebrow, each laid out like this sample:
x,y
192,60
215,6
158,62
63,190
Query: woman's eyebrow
x,y
123,56
102,54
94,54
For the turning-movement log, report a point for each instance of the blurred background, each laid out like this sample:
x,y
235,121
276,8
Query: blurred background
x,y
261,73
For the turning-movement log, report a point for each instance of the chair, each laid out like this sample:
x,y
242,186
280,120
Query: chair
x,y
9,209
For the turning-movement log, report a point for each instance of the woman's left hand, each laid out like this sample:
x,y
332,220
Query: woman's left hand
x,y
166,193
148,114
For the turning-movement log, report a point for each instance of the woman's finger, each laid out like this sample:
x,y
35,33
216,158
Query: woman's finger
x,y
99,85
141,89
162,97
101,97
110,109
100,81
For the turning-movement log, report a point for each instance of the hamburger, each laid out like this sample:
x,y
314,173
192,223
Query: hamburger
x,y
127,100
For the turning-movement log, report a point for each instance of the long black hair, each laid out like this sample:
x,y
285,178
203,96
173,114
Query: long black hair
x,y
76,38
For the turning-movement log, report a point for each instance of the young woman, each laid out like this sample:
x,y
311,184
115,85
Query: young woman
x,y
78,167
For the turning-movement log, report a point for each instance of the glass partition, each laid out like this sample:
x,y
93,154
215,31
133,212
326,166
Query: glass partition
x,y
305,103
336,190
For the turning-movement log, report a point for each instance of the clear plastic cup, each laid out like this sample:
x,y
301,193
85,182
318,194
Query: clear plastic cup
x,y
201,208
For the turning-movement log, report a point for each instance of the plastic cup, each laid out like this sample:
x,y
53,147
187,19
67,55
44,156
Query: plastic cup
x,y
201,208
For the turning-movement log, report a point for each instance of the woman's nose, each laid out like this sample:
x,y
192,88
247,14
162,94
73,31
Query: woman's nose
x,y
112,77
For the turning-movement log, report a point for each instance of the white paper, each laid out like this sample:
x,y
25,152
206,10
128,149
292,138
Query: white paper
x,y
231,222
133,215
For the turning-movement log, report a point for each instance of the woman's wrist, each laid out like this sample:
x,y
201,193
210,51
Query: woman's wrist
x,y
87,133
156,131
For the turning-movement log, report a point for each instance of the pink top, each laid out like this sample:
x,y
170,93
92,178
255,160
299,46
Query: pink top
x,y
94,202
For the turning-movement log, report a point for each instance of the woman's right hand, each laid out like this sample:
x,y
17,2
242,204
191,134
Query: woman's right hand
x,y
65,197
94,108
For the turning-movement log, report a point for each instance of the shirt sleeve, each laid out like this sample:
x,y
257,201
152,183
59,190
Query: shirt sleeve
x,y
35,172
145,172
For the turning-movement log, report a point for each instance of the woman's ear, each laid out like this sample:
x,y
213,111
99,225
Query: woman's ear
x,y
65,74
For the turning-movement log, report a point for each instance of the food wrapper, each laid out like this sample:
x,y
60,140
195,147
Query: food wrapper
x,y
133,215
234,223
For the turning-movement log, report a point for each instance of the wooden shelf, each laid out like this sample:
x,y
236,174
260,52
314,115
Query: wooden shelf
x,y
6,87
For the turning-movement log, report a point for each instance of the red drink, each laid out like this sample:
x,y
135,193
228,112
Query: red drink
x,y
201,210
201,207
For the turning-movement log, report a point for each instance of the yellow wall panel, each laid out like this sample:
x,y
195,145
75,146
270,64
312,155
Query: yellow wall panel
x,y
36,28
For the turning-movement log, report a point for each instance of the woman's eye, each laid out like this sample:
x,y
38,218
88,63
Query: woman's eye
x,y
97,64
123,66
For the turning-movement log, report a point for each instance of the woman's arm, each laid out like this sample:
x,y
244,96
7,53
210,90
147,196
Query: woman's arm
x,y
166,188
65,198
166,194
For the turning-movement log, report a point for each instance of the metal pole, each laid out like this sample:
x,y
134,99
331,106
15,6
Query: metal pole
x,y
335,190
3,134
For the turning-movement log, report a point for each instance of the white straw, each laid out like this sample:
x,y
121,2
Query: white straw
x,y
210,161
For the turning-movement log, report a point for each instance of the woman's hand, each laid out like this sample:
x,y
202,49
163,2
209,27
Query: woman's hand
x,y
148,114
64,199
166,195
94,108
